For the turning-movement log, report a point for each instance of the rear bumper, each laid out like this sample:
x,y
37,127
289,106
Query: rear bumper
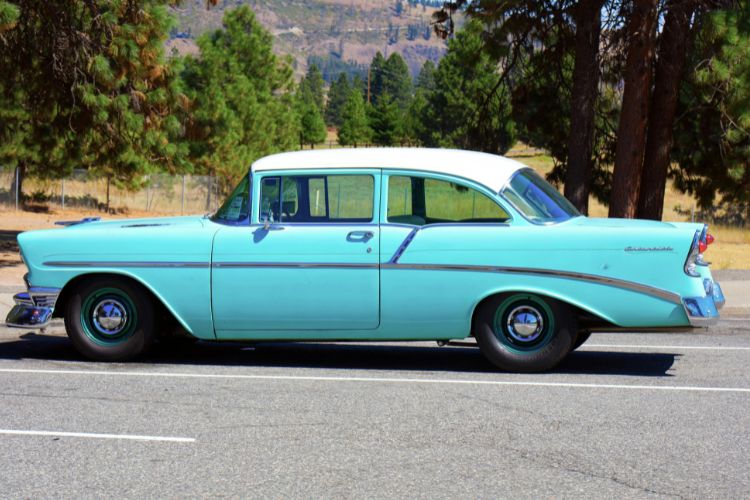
x,y
704,311
33,309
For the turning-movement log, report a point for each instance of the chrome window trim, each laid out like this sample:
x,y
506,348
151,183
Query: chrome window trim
x,y
503,197
470,183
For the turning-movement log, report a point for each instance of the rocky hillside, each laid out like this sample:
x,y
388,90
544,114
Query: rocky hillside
x,y
336,34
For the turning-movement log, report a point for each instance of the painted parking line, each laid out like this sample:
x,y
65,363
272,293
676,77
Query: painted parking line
x,y
129,437
387,380
669,347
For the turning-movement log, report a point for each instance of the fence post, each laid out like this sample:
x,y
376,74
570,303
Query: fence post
x,y
17,173
182,207
62,195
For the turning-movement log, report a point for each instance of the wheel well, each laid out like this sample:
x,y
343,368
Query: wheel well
x,y
585,319
165,318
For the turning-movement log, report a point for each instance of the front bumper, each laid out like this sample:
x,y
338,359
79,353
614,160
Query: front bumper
x,y
33,309
704,311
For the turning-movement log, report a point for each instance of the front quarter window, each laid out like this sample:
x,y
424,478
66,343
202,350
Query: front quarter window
x,y
537,199
237,206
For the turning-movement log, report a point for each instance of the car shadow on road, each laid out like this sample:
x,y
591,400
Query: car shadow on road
x,y
345,356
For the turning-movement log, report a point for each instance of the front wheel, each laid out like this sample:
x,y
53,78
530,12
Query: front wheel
x,y
110,319
524,332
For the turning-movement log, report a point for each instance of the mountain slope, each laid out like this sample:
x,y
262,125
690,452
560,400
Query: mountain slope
x,y
341,30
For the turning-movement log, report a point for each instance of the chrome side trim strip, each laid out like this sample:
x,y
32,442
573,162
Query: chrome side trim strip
x,y
125,264
402,247
592,278
295,265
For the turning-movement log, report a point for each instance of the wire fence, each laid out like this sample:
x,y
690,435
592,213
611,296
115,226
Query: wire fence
x,y
160,193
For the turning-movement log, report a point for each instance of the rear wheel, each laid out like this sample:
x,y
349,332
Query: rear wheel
x,y
110,319
524,332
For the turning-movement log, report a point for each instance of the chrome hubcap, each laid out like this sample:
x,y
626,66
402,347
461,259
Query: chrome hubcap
x,y
110,317
525,323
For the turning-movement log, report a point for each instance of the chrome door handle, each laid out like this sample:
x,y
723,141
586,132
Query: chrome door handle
x,y
360,236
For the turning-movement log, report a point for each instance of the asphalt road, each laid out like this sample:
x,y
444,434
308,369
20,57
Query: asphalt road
x,y
626,416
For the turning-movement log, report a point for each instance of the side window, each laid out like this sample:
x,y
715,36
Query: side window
x,y
420,201
328,198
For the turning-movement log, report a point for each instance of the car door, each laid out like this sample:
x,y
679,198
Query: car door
x,y
309,260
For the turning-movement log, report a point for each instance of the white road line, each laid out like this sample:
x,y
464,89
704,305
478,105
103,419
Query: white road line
x,y
671,347
130,437
380,379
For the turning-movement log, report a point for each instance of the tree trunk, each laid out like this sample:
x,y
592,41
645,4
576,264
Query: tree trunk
x,y
631,132
585,82
671,61
18,177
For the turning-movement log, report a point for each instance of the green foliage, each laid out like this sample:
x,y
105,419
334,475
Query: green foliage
x,y
354,128
331,66
312,84
338,94
466,110
312,125
242,107
9,14
86,84
712,135
397,80
386,121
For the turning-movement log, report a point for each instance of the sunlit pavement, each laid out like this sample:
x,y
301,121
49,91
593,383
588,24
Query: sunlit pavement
x,y
628,415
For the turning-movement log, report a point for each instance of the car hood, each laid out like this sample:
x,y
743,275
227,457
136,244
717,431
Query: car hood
x,y
181,222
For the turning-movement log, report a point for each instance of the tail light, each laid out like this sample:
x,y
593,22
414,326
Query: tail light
x,y
701,240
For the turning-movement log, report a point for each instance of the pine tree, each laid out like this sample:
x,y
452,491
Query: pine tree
x,y
712,135
86,84
377,78
386,121
242,106
338,94
397,80
354,126
312,125
313,83
459,113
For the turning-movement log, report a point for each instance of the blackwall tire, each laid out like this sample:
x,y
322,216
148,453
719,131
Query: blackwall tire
x,y
110,319
524,332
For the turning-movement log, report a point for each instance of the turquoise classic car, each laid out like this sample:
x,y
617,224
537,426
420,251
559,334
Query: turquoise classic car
x,y
372,244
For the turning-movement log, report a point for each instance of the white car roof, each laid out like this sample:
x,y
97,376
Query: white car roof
x,y
492,171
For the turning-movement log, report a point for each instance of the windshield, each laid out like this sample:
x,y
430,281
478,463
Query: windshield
x,y
237,206
537,200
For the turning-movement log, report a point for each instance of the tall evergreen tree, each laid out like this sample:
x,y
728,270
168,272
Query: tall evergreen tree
x,y
313,83
712,135
376,79
460,114
354,126
397,80
86,84
242,107
312,124
338,93
386,121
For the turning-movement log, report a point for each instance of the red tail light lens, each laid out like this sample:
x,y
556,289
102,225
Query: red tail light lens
x,y
702,246
709,239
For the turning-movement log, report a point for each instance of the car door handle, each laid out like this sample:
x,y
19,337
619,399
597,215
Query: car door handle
x,y
360,236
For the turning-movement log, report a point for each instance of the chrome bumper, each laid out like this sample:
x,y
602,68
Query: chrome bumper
x,y
704,311
33,309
